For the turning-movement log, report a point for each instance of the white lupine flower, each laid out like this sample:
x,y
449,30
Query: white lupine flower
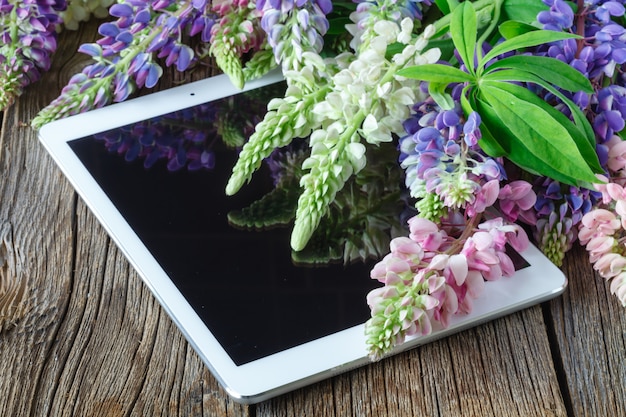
x,y
387,30
375,132
331,108
429,31
383,90
406,29
429,57
343,78
371,57
404,96
403,57
356,155
377,45
394,124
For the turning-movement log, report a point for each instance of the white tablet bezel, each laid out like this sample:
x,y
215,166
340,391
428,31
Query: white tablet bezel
x,y
293,368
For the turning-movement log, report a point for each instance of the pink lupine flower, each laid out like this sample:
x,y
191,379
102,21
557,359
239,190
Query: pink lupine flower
x,y
599,246
426,233
506,264
475,284
618,287
601,187
457,265
512,234
391,270
598,222
448,305
610,264
615,191
485,197
516,200
616,154
406,248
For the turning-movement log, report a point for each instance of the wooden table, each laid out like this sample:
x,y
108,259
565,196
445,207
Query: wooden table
x,y
87,338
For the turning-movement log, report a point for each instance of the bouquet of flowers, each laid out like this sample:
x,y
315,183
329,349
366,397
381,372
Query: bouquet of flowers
x,y
499,116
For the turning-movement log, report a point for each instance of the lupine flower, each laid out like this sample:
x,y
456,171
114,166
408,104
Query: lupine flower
x,y
124,56
440,161
427,280
516,200
602,232
236,33
555,234
294,27
27,41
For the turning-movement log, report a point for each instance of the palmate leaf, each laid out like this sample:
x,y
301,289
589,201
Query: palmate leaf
x,y
442,98
446,6
538,142
492,128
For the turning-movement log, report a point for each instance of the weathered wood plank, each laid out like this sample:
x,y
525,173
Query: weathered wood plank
x,y
89,339
590,328
502,368
93,340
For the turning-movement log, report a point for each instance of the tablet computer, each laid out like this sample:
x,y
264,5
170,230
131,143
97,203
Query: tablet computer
x,y
153,170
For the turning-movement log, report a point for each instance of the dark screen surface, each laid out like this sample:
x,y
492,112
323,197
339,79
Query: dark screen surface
x,y
242,283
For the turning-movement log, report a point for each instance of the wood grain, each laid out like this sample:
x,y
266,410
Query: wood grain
x,y
590,335
89,339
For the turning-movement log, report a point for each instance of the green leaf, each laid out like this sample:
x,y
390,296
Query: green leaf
x,y
463,27
489,131
523,10
580,131
446,6
516,153
537,140
526,40
554,71
438,93
436,73
512,28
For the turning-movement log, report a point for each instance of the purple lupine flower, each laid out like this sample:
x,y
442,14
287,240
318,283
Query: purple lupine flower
x,y
124,55
560,15
294,27
28,41
441,158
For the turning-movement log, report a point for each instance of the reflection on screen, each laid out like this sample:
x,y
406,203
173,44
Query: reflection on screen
x,y
230,256
167,178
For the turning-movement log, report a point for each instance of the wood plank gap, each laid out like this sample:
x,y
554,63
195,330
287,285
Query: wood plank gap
x,y
557,359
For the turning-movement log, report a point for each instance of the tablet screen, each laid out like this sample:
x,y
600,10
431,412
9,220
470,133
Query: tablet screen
x,y
167,177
